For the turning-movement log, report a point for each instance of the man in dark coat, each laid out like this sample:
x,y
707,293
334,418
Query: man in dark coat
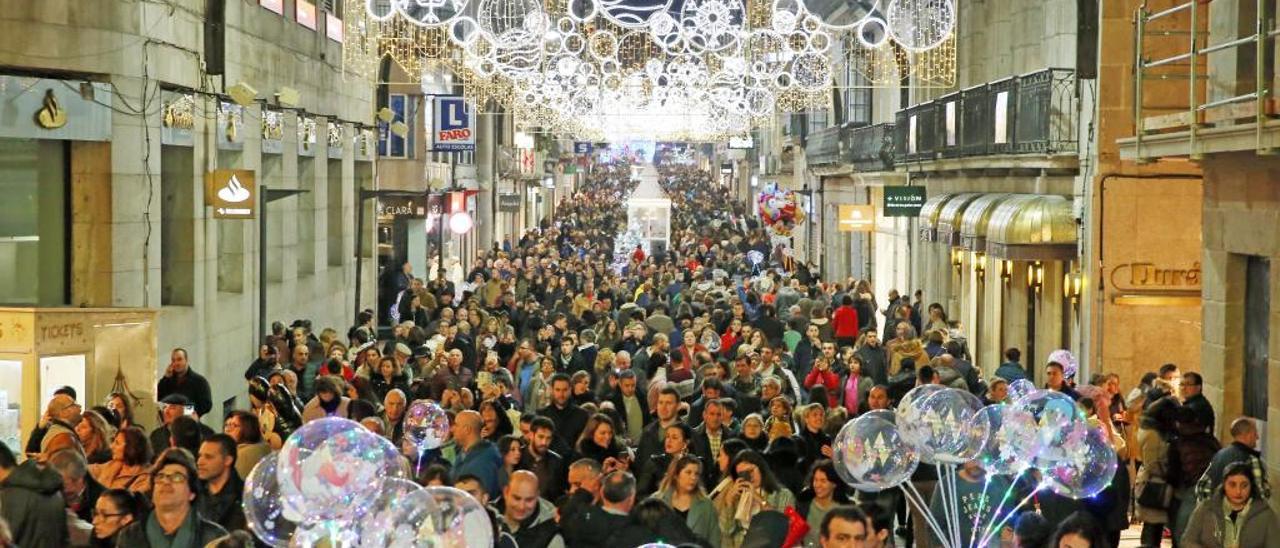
x,y
31,501
1244,439
79,489
1192,388
569,419
221,488
593,527
180,379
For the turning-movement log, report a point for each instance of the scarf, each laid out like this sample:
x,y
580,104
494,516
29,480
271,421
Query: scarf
x,y
184,536
1231,527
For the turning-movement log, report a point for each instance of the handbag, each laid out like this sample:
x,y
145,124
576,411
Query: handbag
x,y
1155,494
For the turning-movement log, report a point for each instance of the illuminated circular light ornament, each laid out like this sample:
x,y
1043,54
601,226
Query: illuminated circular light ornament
x,y
711,25
430,13
848,15
461,223
632,14
498,17
810,71
582,10
921,25
873,32
463,31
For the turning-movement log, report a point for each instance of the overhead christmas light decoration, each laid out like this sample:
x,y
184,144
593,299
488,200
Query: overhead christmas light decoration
x,y
692,70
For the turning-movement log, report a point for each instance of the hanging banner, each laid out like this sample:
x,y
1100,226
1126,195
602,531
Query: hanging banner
x,y
583,148
856,218
903,201
231,193
451,124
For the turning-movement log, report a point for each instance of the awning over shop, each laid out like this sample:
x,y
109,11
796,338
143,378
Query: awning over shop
x,y
1033,227
973,224
929,216
950,218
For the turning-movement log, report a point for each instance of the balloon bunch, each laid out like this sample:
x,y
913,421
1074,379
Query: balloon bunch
x,y
1042,436
779,206
336,483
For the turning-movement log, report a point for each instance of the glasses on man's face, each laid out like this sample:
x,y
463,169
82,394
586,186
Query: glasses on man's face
x,y
171,478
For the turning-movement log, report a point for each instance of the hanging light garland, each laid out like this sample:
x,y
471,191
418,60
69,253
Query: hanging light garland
x,y
618,69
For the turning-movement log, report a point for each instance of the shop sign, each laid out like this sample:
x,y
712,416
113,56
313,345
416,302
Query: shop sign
x,y
337,134
451,124
231,193
407,207
40,108
1153,277
272,132
307,139
508,202
363,144
333,27
230,126
744,142
15,332
855,218
528,161
61,332
273,5
583,148
305,13
903,201
726,167
177,118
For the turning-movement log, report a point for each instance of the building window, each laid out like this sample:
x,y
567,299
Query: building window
x,y
34,225
391,145
857,97
177,226
1257,336
817,121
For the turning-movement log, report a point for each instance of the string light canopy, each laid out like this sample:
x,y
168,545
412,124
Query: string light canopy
x,y
699,70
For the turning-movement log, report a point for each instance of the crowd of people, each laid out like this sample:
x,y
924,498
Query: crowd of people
x,y
607,397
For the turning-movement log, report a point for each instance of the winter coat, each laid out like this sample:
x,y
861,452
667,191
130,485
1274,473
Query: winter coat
x,y
134,535
702,519
1259,527
31,502
906,349
1154,450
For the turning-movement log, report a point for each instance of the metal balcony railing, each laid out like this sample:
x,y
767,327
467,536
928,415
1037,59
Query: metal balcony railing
x,y
1046,120
870,148
1030,114
823,147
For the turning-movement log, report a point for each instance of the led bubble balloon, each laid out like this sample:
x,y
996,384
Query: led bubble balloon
x,y
1057,418
460,521
871,455
331,469
263,506
426,425
940,428
1009,439
1019,389
403,515
1085,465
882,414
907,407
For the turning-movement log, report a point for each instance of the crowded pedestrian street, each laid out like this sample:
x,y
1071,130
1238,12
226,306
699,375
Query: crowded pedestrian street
x,y
638,274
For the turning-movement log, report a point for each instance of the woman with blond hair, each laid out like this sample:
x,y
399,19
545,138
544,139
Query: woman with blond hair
x,y
95,435
682,490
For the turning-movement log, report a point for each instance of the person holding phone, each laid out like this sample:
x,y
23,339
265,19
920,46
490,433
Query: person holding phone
x,y
180,379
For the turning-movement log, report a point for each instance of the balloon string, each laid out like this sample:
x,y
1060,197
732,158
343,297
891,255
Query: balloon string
x,y
955,507
908,489
417,468
992,531
948,512
1008,492
977,518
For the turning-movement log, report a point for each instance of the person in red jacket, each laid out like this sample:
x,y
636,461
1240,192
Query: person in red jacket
x,y
638,255
821,374
845,322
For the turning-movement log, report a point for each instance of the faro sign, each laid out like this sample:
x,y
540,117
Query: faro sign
x,y
452,127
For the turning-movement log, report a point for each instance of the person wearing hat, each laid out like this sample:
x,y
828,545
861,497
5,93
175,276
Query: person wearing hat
x,y
171,407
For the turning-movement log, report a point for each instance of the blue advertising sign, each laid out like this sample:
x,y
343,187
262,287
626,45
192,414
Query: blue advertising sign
x,y
452,123
583,148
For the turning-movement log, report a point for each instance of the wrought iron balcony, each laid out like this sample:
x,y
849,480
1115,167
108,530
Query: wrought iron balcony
x,y
1029,114
823,147
869,148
